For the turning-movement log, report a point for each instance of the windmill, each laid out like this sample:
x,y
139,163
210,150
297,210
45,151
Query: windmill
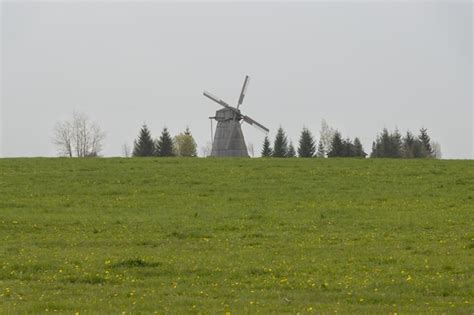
x,y
229,139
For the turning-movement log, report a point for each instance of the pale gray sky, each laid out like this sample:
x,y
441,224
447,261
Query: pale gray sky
x,y
360,65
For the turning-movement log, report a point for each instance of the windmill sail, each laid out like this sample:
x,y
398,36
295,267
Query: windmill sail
x,y
216,99
244,89
252,122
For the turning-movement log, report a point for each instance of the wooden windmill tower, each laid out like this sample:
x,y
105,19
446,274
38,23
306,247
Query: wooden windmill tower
x,y
228,138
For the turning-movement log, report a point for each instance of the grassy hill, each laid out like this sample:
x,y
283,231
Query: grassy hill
x,y
236,235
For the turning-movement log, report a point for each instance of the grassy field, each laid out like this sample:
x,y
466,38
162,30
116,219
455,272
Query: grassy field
x,y
236,235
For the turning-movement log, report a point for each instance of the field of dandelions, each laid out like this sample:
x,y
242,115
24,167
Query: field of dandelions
x,y
235,236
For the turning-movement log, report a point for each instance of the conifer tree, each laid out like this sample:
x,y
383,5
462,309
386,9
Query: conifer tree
x,y
348,148
418,151
164,145
358,149
320,153
280,146
387,145
291,151
427,151
307,146
375,148
408,145
267,150
337,146
395,144
411,147
144,145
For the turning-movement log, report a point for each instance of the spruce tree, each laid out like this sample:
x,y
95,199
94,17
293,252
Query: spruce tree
x,y
358,149
320,153
387,145
164,145
291,151
427,151
408,145
375,148
395,144
348,148
280,146
187,132
307,146
418,151
144,145
337,146
267,150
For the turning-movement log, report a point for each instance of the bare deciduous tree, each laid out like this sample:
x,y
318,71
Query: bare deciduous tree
x,y
207,149
436,147
126,150
327,134
63,138
80,137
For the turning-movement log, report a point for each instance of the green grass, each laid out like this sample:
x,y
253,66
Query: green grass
x,y
236,235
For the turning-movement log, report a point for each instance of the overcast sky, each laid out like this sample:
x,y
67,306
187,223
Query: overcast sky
x,y
362,66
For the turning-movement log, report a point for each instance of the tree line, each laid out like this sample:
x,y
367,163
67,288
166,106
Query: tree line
x,y
81,137
393,145
182,144
332,144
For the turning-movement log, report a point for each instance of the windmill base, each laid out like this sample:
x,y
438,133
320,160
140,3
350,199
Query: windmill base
x,y
222,146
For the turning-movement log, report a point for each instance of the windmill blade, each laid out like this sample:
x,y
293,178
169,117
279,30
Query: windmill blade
x,y
252,122
244,89
216,99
